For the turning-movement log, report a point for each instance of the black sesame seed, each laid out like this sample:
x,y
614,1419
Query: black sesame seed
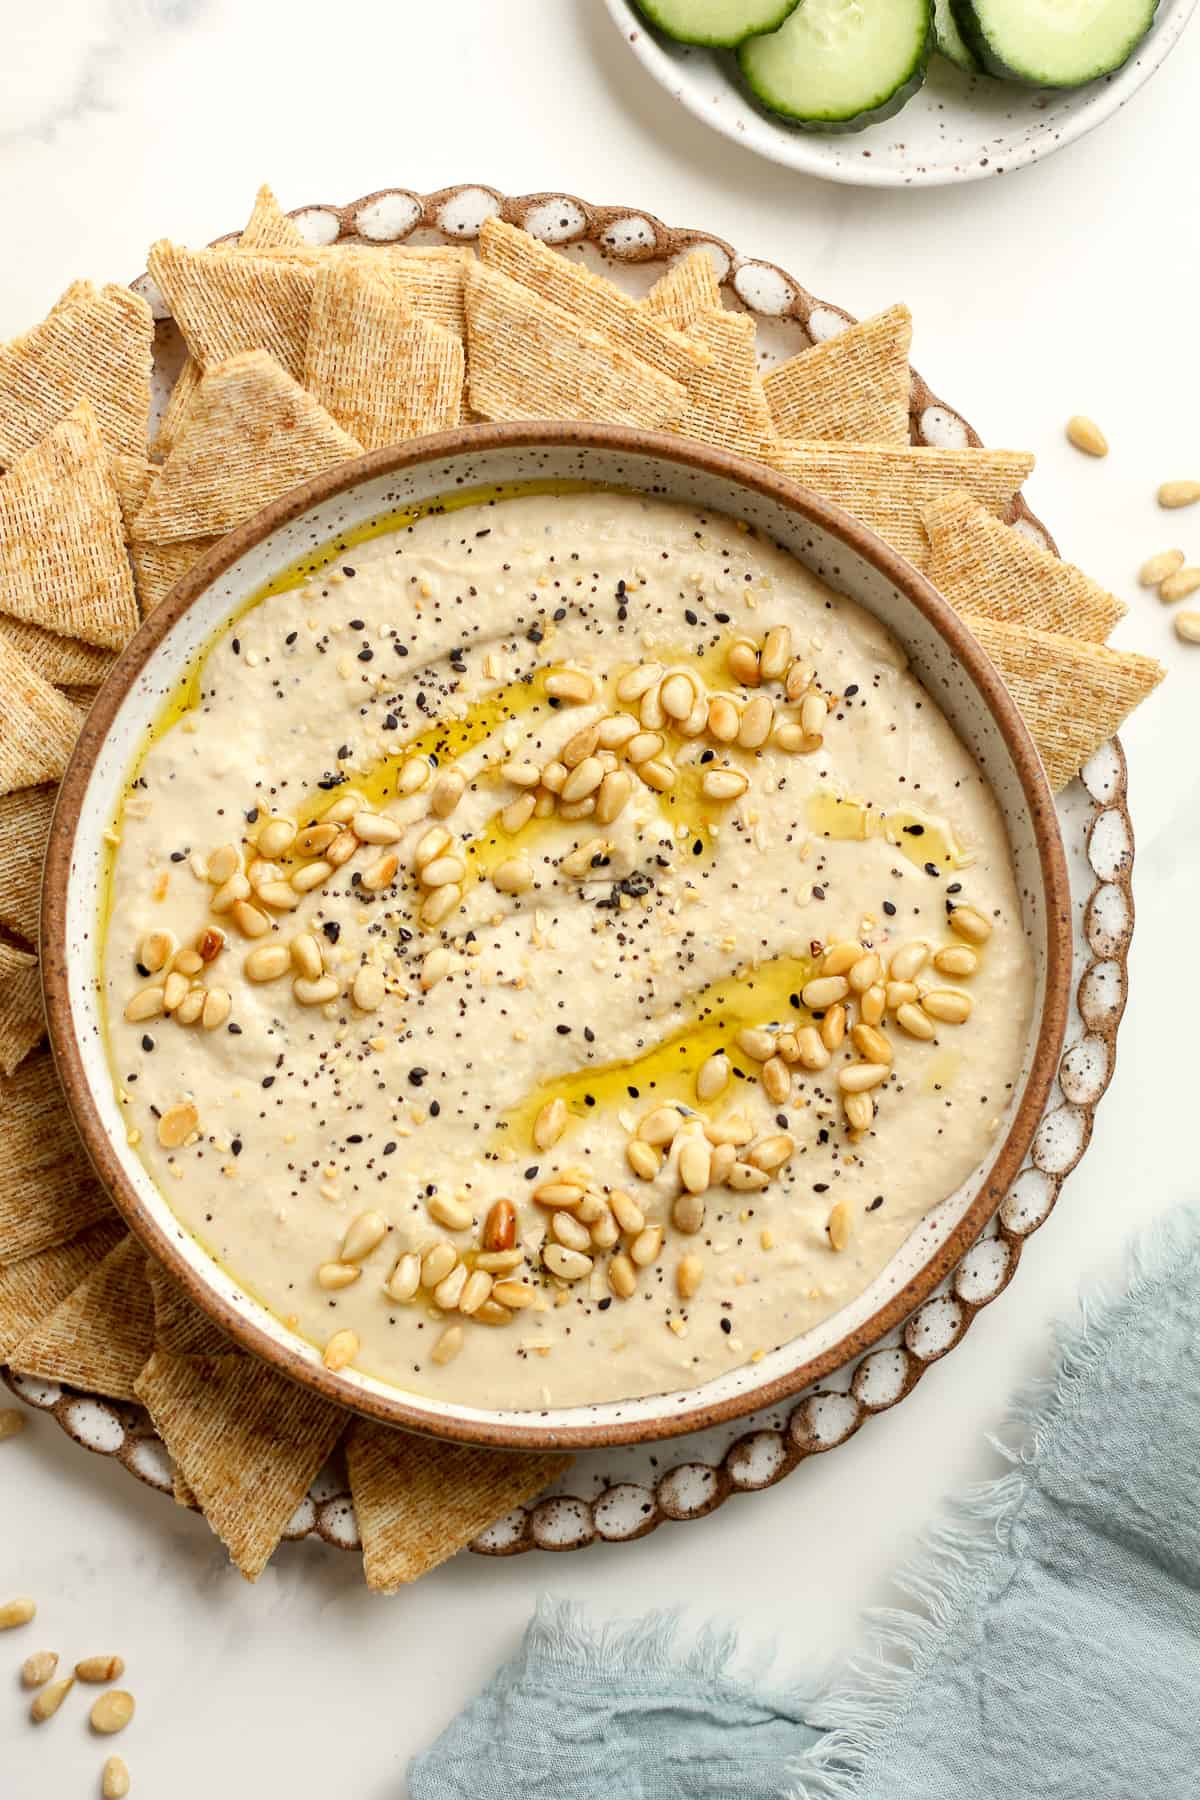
x,y
531,1174
236,1146
147,1042
358,624
889,909
416,1076
727,1326
178,855
366,654
332,930
268,1081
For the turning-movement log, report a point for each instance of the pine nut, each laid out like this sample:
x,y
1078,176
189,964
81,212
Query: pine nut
x,y
678,696
736,1130
114,1783
315,993
755,725
583,780
723,719
1179,493
174,989
688,1210
448,790
177,1124
455,1215
577,809
873,1004
570,684
16,1612
1187,627
833,1027
476,1289
871,1044
37,1669
517,814
568,1265
825,991
553,777
517,1294
643,747
147,1003
437,1263
276,837
311,876
376,828
448,1345
688,1277
838,1225
156,950
813,715
615,731
793,739
413,776
723,784
744,1178
907,961
440,904
566,1229
434,843
647,1246
51,1697
236,888
899,993
756,1044
558,1193
643,1159
635,682
112,1712
578,748
958,960
948,1005
405,1278
776,1080
658,774
659,1127
910,1018
363,1234
626,1211
860,1110
857,1077
250,920
742,662
650,711
1180,585
1156,568
865,973
367,989
382,873
810,1051
798,680
966,923
281,896
334,1276
695,1163
500,1226
223,863
613,797
209,944
190,1007
622,1276
839,959
305,953
772,1152
267,963
1086,435
776,653
434,968
446,1293
315,839
712,1077
550,1124
260,870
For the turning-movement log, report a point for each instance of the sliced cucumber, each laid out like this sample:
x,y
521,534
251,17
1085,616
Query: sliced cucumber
x,y
838,65
948,38
722,24
1054,43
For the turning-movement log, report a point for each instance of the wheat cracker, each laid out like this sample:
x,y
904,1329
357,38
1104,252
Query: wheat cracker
x,y
226,304
24,827
726,403
852,388
95,346
157,567
98,1337
62,661
179,1325
687,291
48,1192
40,724
33,1287
22,1020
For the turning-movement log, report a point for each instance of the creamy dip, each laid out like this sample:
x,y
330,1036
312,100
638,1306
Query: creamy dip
x,y
566,1071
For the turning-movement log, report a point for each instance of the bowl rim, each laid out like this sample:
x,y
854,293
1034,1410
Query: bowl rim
x,y
423,1414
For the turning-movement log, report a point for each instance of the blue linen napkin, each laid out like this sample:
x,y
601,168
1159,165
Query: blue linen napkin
x,y
1056,1652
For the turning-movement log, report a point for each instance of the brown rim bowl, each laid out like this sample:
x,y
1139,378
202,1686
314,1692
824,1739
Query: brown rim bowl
x,y
854,561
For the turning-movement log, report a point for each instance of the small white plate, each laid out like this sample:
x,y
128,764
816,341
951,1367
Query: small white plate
x,y
959,127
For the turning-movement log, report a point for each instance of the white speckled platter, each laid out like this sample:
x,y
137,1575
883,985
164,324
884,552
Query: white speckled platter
x,y
959,127
622,1494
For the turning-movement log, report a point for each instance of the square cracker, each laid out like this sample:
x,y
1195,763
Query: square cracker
x,y
40,725
32,1288
726,403
157,567
1072,695
24,827
984,567
383,373
48,1193
418,1501
889,486
687,291
62,661
179,1326
22,1021
100,1335
590,299
225,304
94,346
853,387
62,539
250,434
247,1442
528,359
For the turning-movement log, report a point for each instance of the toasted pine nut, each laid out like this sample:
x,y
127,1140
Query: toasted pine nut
x,y
500,1226
814,712
112,1711
833,1027
513,876
250,920
414,775
405,1278
860,1110
658,774
910,1018
745,1178
367,989
448,1345
342,849
871,1044
314,840
810,1051
156,950
236,888
776,653
838,1225
839,959
568,1265
615,731
966,923
948,1005
517,1294
550,1124
440,903
281,896
448,790
678,696
688,1210
376,828
772,1152
643,1159
223,863
647,1246
47,1702
336,1275
455,1215
688,1277
315,993
1187,627
114,1782
742,662
659,1126
1179,493
798,680
758,1045
570,684
446,1293
583,780
579,747
363,1234
1179,585
825,990
907,960
613,796
793,739
568,1230
267,962
857,1077
1156,568
37,1669
776,1080
755,725
626,1211
177,1124
437,1263
622,1276
712,1077
695,1163
305,953
190,1007
276,837
636,682
1086,435
517,814
174,989
723,784
381,874
557,1193
341,1349
16,1612
311,875
554,776
643,747
898,993
432,844
476,1289
865,973
723,719
147,1003
873,1004
958,960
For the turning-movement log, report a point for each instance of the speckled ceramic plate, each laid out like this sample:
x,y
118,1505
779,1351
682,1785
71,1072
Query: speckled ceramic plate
x,y
959,127
619,1494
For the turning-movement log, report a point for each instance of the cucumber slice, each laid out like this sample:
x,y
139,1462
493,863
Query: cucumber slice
x,y
1054,43
721,24
838,65
948,38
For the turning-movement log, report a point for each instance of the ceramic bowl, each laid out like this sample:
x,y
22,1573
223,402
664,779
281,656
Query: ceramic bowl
x,y
839,550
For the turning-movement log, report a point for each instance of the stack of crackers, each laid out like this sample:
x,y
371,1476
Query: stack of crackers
x,y
299,358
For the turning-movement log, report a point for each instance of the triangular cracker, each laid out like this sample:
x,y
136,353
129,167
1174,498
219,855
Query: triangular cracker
x,y
179,1325
248,1443
24,828
889,487
100,1335
726,404
74,295
32,1288
590,299
97,347
418,1502
1072,695
853,388
40,725
132,476
48,1192
384,374
176,409
225,304
430,277
62,661
269,228
250,434
62,540
22,1020
157,567
986,568
687,291
527,359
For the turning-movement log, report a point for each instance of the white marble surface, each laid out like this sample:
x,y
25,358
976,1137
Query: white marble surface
x,y
1071,287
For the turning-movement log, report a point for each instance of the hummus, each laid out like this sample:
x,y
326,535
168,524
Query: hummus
x,y
558,953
